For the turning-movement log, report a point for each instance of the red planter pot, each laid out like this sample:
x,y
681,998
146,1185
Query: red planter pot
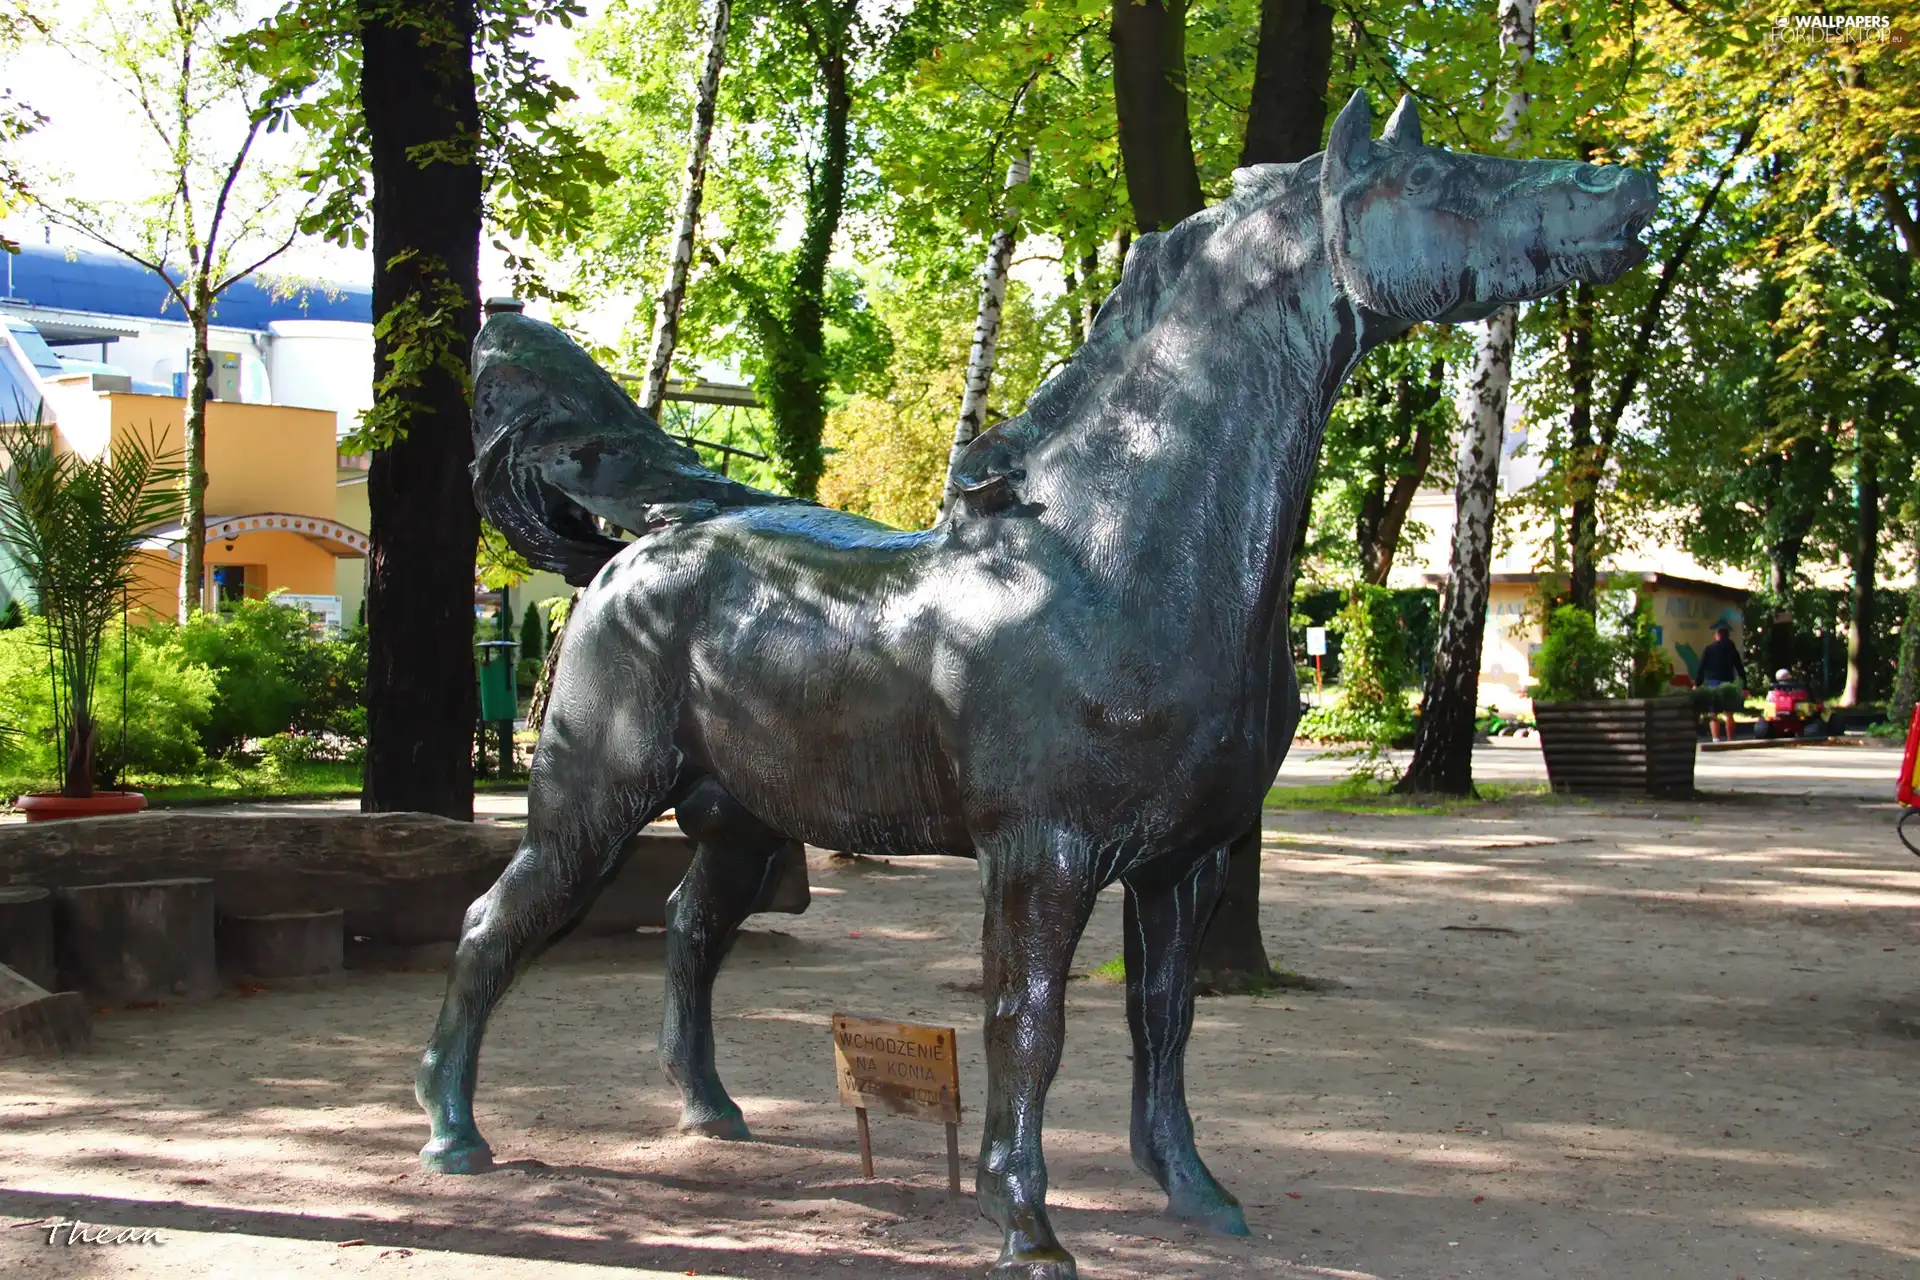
x,y
101,804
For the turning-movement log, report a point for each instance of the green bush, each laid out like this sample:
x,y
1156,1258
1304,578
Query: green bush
x,y
1578,661
247,650
331,672
1371,704
168,704
1575,662
1649,670
533,634
272,674
284,753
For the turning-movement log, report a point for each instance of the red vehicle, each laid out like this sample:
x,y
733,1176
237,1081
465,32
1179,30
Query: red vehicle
x,y
1908,792
1792,710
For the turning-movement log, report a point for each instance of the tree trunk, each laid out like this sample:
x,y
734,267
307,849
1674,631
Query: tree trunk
x,y
1443,743
418,94
1089,291
1866,551
986,329
1287,114
795,372
1232,956
193,449
77,779
666,310
1583,462
1383,512
1285,118
1150,101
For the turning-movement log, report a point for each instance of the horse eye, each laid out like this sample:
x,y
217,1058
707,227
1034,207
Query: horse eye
x,y
1421,176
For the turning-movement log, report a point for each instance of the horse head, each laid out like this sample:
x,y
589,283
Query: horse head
x,y
1417,233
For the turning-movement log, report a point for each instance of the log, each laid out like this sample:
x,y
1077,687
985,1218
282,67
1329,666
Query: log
x,y
34,1020
137,940
286,944
401,879
26,932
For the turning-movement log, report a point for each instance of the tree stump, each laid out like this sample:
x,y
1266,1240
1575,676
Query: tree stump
x,y
34,1021
26,933
290,944
137,940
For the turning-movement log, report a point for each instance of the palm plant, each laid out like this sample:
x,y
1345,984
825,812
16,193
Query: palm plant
x,y
73,526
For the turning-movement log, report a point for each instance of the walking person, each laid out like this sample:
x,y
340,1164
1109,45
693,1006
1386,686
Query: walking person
x,y
1720,665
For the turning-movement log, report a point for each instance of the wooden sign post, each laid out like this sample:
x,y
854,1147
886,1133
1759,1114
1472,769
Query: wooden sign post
x,y
899,1067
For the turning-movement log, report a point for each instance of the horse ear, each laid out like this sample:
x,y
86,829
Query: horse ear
x,y
1350,144
1403,126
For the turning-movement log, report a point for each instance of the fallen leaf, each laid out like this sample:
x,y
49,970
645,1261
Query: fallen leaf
x,y
1293,1195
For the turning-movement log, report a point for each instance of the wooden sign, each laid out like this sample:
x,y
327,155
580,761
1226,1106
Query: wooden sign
x,y
902,1068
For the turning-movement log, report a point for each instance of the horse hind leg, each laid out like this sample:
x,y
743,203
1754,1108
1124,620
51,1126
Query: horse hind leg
x,y
575,833
1166,912
735,858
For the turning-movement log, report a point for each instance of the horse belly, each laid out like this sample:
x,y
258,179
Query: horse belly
x,y
869,778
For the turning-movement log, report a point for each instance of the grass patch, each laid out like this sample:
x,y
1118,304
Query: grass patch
x,y
1375,796
1115,971
227,784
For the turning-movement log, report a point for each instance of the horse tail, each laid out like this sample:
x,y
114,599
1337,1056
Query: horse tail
x,y
556,443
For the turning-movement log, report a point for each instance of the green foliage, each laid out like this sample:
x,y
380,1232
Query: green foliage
x,y
271,674
533,634
890,445
1579,661
1575,662
539,172
73,527
168,702
1370,708
496,563
1649,670
421,335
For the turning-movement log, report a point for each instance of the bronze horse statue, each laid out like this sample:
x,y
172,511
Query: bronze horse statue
x,y
1080,675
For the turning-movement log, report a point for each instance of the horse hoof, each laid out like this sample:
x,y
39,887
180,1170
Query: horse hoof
x,y
1035,1264
456,1155
1223,1215
726,1128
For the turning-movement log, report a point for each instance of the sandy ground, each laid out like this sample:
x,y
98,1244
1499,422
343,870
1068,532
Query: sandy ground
x,y
1623,1040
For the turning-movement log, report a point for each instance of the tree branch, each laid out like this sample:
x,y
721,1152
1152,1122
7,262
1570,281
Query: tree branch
x,y
1669,276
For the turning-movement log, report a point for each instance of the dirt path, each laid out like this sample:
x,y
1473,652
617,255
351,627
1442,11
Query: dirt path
x,y
1568,1040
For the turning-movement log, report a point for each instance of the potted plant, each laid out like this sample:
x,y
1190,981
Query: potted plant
x,y
73,527
1606,724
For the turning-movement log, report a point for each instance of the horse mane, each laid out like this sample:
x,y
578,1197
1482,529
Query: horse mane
x,y
1159,267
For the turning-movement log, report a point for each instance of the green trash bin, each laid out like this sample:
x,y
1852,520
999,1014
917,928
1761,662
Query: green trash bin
x,y
499,695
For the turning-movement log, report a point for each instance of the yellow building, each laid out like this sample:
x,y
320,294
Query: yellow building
x,y
273,518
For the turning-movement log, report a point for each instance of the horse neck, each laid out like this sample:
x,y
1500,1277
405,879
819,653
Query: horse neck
x,y
1181,469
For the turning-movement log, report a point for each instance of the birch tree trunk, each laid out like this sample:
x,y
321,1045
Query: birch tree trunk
x,y
1443,746
986,328
193,477
666,307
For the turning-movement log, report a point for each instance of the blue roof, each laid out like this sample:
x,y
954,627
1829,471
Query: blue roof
x,y
109,285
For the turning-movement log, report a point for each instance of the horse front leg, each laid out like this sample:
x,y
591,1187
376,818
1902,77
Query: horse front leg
x,y
1167,910
1037,903
733,858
